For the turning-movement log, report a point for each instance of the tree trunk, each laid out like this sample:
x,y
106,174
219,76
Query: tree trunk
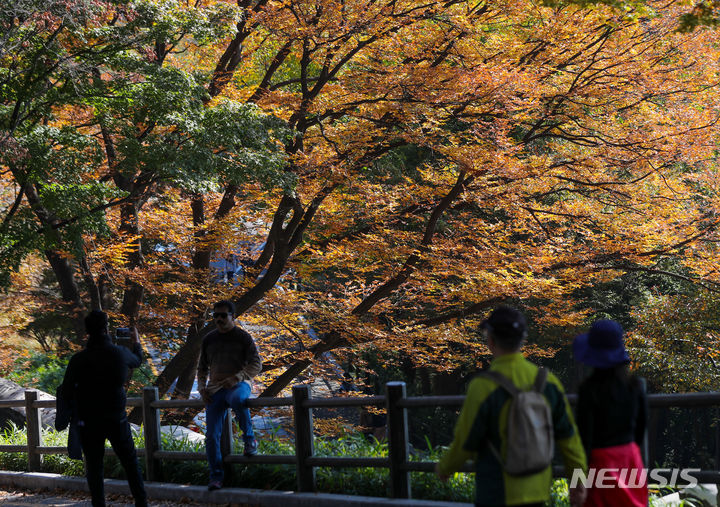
x,y
201,256
104,286
62,268
286,378
65,275
179,363
134,291
200,260
186,377
92,286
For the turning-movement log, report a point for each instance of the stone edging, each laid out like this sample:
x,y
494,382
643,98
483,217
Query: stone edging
x,y
200,494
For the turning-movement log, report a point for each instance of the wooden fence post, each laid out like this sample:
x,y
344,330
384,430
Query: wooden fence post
x,y
151,428
34,435
304,441
398,446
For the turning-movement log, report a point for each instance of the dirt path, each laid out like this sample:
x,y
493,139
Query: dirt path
x,y
59,498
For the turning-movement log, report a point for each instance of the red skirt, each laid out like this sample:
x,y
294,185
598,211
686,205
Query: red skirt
x,y
624,477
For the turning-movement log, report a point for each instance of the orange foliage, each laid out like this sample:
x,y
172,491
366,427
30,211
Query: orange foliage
x,y
460,154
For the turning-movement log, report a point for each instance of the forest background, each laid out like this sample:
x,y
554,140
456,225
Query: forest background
x,y
365,179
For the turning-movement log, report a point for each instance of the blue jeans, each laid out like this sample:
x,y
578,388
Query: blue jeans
x,y
234,398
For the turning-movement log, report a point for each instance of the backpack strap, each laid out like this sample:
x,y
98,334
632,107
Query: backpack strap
x,y
502,381
508,386
506,383
540,380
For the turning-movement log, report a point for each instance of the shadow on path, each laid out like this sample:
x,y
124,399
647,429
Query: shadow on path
x,y
76,499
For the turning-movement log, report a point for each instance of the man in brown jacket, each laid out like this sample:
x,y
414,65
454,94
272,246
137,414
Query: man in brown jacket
x,y
230,358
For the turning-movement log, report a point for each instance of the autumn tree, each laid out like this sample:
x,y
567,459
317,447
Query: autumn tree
x,y
442,157
557,147
676,342
92,120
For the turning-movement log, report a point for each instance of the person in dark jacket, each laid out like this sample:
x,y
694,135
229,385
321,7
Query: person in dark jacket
x,y
228,362
612,413
95,380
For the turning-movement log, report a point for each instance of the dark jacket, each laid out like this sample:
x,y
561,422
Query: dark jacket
x,y
95,379
612,410
66,416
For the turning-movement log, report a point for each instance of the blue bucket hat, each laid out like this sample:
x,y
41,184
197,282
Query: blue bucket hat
x,y
603,346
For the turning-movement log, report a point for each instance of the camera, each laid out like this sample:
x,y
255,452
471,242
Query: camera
x,y
122,336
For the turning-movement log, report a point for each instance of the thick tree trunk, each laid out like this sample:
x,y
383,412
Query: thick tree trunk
x,y
92,286
134,291
201,256
286,378
104,286
61,266
132,300
200,261
65,275
186,377
179,363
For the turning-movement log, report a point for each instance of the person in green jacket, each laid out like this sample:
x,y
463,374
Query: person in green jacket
x,y
483,421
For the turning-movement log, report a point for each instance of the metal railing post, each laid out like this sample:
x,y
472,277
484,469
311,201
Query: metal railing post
x,y
151,428
34,435
304,441
398,445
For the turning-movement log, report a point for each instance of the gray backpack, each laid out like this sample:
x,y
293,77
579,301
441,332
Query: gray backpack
x,y
530,436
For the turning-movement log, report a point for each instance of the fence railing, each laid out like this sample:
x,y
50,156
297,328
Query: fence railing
x,y
395,402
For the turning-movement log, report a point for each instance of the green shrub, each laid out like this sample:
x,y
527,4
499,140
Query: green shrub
x,y
458,488
60,463
181,472
352,481
559,494
41,370
52,463
13,460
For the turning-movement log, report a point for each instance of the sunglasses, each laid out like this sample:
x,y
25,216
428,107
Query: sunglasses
x,y
220,315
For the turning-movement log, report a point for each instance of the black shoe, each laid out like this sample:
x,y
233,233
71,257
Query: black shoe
x,y
251,447
214,485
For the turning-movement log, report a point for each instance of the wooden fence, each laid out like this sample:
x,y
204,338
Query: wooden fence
x,y
395,402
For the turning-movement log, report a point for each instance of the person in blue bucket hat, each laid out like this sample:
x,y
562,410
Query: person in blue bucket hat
x,y
612,416
603,346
